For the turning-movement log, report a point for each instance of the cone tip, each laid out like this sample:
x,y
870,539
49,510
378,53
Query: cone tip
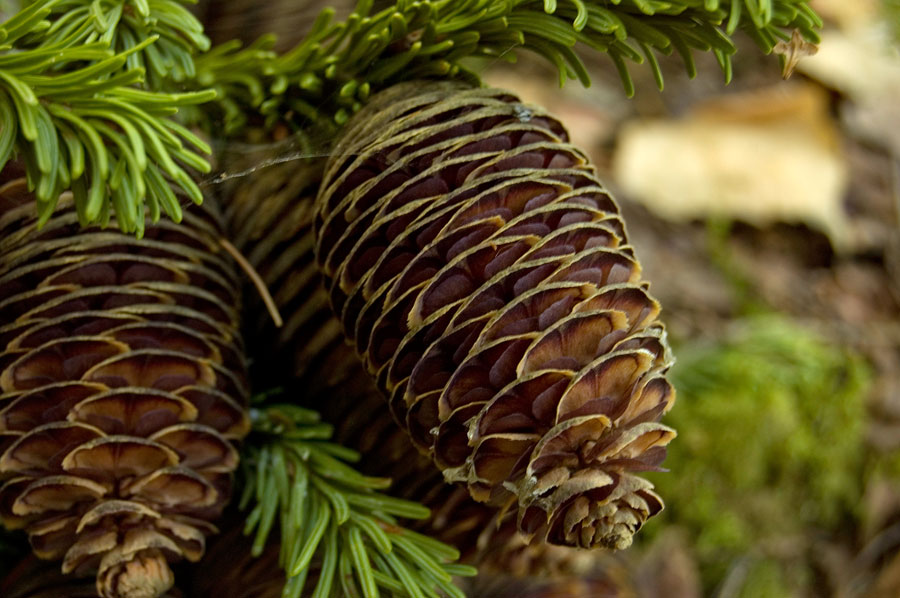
x,y
147,575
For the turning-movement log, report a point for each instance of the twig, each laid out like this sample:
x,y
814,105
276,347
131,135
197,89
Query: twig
x,y
257,280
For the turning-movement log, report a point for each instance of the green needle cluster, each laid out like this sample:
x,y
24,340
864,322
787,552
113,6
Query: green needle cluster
x,y
81,117
339,535
125,24
331,73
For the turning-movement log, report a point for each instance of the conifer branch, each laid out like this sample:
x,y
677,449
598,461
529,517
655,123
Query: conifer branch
x,y
331,516
80,116
125,24
239,77
331,73
70,71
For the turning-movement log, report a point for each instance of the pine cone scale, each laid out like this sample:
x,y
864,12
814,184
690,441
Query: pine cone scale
x,y
57,493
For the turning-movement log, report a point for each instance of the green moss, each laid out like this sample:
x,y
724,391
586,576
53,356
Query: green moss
x,y
892,14
764,579
770,423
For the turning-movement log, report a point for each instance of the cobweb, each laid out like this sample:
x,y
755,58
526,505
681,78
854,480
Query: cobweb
x,y
237,159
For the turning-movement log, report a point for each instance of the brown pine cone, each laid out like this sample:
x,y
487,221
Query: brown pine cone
x,y
270,220
227,570
483,273
122,391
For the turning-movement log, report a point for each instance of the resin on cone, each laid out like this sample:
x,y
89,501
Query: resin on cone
x,y
483,273
122,391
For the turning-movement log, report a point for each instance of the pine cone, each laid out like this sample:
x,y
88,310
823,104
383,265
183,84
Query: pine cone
x,y
483,274
122,391
227,569
270,218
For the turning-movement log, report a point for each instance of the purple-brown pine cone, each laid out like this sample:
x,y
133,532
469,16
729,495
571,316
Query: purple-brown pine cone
x,y
483,274
123,391
270,219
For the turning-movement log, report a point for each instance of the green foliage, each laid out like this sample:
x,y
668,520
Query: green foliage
x,y
125,24
72,111
892,12
764,577
331,516
770,443
239,76
69,70
331,73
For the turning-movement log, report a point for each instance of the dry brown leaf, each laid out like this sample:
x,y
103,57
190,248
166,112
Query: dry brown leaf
x,y
761,157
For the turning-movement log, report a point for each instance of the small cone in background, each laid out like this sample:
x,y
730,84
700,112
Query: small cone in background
x,y
613,582
483,274
123,390
229,569
270,217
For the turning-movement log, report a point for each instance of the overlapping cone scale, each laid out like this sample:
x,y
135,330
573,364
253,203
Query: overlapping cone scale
x,y
122,391
484,276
